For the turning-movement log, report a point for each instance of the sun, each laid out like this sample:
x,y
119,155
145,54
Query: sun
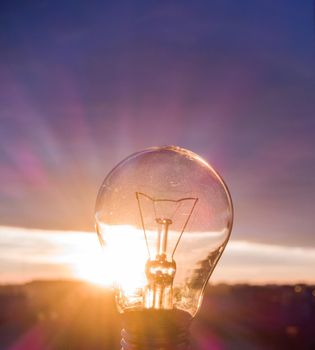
x,y
121,262
92,268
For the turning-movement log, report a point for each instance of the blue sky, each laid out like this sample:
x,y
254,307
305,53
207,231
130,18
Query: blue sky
x,y
85,84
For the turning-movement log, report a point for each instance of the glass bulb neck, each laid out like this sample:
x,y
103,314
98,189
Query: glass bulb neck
x,y
159,291
156,330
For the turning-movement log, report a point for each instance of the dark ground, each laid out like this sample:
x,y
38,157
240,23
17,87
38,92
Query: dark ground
x,y
74,315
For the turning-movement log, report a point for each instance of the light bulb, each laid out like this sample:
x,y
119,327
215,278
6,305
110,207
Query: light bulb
x,y
164,216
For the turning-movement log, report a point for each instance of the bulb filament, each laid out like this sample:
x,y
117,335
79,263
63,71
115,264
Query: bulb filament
x,y
160,272
160,268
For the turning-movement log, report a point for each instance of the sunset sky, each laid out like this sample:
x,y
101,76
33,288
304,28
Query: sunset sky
x,y
85,84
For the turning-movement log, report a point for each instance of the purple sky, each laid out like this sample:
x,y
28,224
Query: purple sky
x,y
85,84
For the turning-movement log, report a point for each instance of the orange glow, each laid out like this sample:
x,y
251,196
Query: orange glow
x,y
90,269
105,266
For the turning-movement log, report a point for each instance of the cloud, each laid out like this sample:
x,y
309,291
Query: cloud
x,y
27,254
264,263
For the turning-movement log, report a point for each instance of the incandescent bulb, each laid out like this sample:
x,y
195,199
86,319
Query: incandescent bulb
x,y
164,217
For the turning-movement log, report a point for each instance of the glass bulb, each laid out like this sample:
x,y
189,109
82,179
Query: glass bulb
x,y
164,217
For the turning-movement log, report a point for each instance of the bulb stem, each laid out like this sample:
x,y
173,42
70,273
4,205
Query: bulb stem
x,y
156,330
162,235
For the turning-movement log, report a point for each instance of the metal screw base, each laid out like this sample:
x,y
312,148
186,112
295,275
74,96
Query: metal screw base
x,y
155,330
